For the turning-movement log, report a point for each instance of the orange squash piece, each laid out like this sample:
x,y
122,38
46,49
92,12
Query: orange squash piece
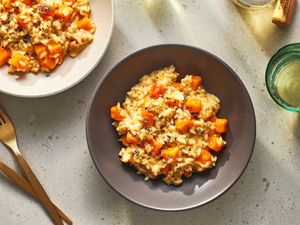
x,y
20,62
212,118
221,125
48,63
85,23
205,156
183,125
148,118
115,113
124,140
156,91
64,12
196,82
170,152
54,48
157,146
194,105
4,56
131,139
30,2
172,102
215,143
166,169
41,51
178,86
23,19
8,4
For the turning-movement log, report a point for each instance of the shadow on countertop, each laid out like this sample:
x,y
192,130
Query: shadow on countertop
x,y
270,36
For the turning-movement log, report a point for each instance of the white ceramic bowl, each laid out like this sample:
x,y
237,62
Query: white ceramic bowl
x,y
72,70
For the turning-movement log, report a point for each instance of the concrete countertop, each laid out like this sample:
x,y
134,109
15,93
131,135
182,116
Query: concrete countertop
x,y
51,130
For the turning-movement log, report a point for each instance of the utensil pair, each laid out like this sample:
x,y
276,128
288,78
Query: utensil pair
x,y
32,186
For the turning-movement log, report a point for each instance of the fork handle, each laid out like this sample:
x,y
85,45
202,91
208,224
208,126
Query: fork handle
x,y
23,183
39,190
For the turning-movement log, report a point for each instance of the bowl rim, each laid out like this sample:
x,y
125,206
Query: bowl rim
x,y
111,30
279,52
88,130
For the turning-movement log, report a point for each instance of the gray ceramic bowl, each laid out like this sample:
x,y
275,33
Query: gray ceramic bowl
x,y
200,189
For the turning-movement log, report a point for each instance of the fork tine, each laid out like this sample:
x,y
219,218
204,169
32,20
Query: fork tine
x,y
3,116
2,121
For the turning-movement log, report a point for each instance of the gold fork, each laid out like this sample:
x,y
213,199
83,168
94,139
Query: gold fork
x,y
23,183
8,137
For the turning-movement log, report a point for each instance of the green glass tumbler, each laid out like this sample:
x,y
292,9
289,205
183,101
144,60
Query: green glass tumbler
x,y
283,77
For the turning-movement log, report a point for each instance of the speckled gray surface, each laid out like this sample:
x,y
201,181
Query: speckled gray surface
x,y
52,130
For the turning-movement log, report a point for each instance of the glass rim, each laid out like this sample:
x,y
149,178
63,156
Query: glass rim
x,y
268,73
249,6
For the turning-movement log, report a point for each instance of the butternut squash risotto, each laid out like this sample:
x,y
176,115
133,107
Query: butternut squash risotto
x,y
169,129
36,35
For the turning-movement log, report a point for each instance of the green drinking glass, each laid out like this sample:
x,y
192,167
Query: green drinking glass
x,y
283,77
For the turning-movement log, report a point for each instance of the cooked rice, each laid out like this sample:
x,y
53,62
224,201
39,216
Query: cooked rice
x,y
25,24
188,145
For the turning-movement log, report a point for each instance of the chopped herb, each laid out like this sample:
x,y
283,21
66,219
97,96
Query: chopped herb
x,y
169,138
45,10
26,38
